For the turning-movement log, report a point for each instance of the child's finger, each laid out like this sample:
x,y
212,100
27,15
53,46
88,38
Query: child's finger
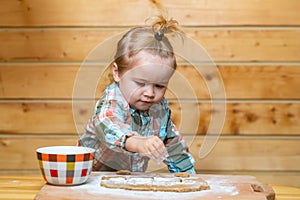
x,y
155,149
161,149
163,154
160,154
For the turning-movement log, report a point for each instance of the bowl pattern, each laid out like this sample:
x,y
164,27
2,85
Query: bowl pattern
x,y
63,169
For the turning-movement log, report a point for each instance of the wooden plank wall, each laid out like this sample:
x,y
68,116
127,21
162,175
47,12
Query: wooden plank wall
x,y
255,45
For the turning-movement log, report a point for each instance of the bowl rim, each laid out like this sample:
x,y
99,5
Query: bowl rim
x,y
65,150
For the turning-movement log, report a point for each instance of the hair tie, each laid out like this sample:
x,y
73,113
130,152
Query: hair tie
x,y
159,36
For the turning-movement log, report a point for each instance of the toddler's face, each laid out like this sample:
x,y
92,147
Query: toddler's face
x,y
146,81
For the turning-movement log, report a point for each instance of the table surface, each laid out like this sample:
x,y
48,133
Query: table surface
x,y
27,186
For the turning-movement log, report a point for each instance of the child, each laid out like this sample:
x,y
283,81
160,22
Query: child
x,y
132,121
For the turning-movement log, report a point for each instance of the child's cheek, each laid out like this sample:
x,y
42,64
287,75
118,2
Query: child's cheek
x,y
160,94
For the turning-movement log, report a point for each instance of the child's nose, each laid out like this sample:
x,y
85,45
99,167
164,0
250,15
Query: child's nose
x,y
149,92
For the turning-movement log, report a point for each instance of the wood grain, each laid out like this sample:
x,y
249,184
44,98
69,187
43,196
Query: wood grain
x,y
222,45
20,186
230,153
242,189
17,186
119,13
254,118
57,81
250,153
256,46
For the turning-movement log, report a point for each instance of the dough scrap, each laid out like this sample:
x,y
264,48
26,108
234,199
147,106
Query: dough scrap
x,y
153,182
182,174
123,172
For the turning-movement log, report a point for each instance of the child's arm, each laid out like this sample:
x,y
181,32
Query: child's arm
x,y
179,160
109,123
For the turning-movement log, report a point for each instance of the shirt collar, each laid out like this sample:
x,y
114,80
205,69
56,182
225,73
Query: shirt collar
x,y
143,113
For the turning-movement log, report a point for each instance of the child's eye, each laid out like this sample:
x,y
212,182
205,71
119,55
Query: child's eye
x,y
140,83
160,86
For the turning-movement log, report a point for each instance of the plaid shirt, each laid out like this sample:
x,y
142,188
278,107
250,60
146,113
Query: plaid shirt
x,y
114,120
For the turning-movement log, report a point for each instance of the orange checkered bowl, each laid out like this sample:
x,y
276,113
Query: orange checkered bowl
x,y
65,165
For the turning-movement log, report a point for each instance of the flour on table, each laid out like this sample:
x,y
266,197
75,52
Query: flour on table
x,y
93,187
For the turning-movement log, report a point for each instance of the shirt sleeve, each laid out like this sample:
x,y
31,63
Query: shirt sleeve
x,y
110,125
179,160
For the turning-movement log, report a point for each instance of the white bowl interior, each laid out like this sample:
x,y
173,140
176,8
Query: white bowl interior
x,y
64,150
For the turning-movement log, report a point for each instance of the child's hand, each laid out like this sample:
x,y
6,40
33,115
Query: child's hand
x,y
150,146
153,148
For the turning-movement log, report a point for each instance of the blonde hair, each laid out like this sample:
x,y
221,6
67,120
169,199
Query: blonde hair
x,y
152,39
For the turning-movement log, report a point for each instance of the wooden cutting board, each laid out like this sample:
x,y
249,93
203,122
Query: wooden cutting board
x,y
224,187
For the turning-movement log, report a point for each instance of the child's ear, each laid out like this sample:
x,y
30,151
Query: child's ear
x,y
115,71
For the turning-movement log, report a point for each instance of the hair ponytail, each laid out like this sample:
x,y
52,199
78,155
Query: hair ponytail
x,y
152,38
161,26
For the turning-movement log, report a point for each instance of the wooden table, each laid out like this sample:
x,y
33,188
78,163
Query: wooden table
x,y
27,186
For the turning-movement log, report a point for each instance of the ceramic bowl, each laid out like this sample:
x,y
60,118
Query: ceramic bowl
x,y
65,165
